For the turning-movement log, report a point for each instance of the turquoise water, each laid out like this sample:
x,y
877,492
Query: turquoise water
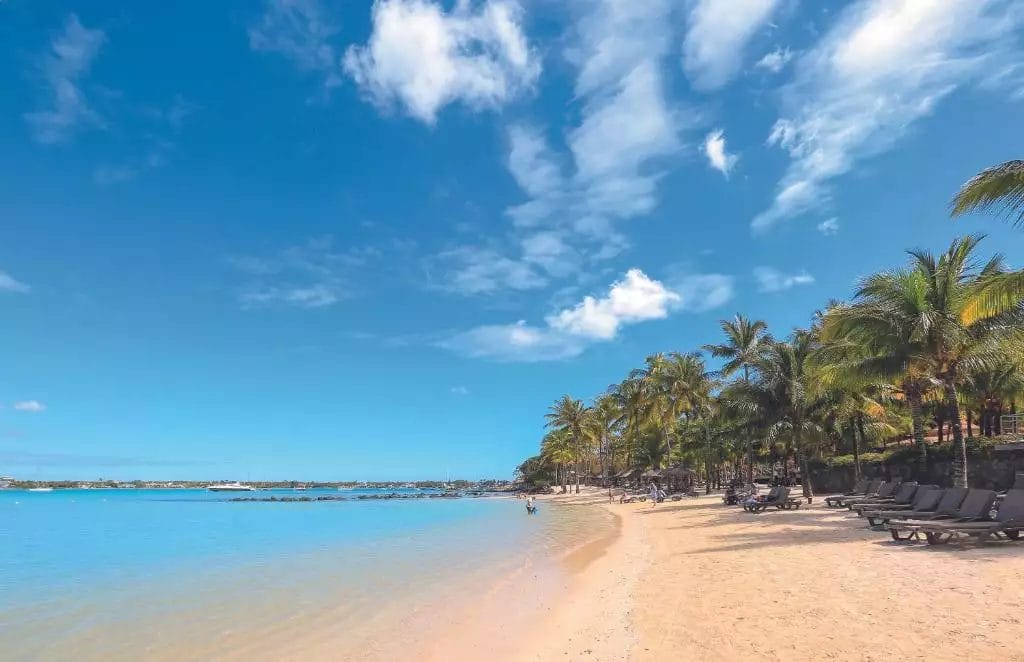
x,y
151,573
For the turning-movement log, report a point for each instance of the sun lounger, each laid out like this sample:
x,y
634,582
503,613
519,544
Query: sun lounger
x,y
976,507
904,496
863,488
749,502
947,508
782,501
926,501
1008,523
885,494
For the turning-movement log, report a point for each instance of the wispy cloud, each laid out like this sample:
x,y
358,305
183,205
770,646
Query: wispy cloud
x,y
421,57
31,406
775,61
829,226
883,65
302,32
568,332
310,275
770,279
69,59
716,38
459,390
718,157
615,154
9,283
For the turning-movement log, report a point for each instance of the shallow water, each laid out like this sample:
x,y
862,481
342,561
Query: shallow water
x,y
173,574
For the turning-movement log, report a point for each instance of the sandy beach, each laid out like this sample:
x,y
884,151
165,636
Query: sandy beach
x,y
695,580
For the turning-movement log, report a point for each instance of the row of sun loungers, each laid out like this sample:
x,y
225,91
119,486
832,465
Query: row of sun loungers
x,y
910,511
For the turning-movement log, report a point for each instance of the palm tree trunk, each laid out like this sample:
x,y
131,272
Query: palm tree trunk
x,y
576,461
970,426
959,449
856,451
750,456
805,473
917,422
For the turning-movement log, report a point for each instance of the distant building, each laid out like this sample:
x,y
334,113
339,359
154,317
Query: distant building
x,y
6,482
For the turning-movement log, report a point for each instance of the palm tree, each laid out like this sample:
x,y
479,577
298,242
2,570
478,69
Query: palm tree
x,y
631,399
745,340
998,188
570,415
556,449
675,385
788,396
602,424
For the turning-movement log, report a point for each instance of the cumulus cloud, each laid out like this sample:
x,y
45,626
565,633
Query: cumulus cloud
x,y
718,157
68,61
9,283
421,58
31,406
301,31
829,226
716,38
770,279
568,332
775,61
882,66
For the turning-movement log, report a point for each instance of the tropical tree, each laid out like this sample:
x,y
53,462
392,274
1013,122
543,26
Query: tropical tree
x,y
675,385
787,396
556,451
570,415
1000,188
601,428
745,340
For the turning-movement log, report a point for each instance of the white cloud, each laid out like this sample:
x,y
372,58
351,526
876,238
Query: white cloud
x,y
718,158
31,406
775,61
71,55
883,65
829,226
470,270
716,38
636,298
612,164
9,283
459,390
568,332
310,275
770,279
301,31
423,58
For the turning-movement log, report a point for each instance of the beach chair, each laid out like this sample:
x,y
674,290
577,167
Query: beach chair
x,y
904,496
755,499
926,500
884,494
976,507
1007,523
838,500
947,508
782,501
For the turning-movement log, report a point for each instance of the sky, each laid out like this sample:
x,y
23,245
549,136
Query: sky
x,y
311,239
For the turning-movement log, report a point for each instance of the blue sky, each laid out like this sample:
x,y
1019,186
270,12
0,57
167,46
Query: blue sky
x,y
314,239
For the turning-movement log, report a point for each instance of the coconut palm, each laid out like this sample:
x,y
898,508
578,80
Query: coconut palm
x,y
630,397
556,450
788,397
570,415
675,384
601,427
1000,188
745,340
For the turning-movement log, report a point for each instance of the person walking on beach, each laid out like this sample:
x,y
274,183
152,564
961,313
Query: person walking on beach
x,y
654,495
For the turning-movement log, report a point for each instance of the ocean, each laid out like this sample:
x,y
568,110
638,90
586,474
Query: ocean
x,y
190,574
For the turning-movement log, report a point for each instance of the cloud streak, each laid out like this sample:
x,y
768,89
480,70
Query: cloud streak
x,y
770,279
9,283
882,66
71,54
717,35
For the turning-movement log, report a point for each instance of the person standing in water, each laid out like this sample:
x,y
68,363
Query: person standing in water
x,y
530,508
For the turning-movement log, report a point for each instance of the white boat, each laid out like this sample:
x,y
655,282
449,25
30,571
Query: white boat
x,y
230,487
40,489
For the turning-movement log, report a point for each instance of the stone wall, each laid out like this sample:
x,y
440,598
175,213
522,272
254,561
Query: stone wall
x,y
991,468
